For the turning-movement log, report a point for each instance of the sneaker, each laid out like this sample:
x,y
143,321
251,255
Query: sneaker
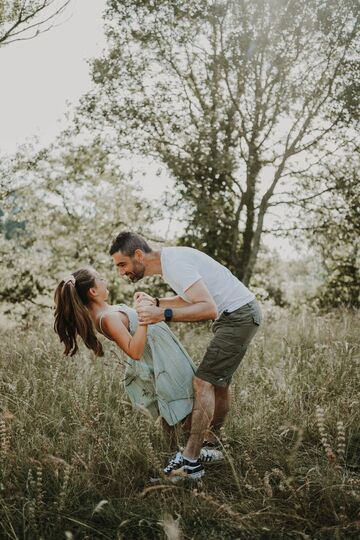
x,y
180,468
210,452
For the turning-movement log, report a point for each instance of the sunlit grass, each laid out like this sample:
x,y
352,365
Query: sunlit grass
x,y
76,459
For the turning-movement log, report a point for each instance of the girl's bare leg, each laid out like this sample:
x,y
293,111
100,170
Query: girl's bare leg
x,y
170,434
171,431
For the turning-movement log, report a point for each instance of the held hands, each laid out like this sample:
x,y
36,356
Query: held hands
x,y
146,309
143,298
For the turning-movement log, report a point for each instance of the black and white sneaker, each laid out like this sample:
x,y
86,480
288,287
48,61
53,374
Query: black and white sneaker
x,y
211,453
179,468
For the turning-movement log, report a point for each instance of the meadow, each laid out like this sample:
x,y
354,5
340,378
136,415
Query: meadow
x,y
76,459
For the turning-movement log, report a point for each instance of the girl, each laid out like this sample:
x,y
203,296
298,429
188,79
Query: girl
x,y
159,371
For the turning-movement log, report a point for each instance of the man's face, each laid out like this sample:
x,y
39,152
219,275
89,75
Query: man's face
x,y
131,267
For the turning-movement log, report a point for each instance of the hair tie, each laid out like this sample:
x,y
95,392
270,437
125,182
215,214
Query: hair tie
x,y
69,279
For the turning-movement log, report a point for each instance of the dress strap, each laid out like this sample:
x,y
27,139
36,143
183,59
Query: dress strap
x,y
122,308
131,315
101,328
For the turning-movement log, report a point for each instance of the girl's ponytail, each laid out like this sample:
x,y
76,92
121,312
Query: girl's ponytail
x,y
71,315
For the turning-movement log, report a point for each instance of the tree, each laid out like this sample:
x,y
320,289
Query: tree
x,y
334,231
23,19
69,201
230,96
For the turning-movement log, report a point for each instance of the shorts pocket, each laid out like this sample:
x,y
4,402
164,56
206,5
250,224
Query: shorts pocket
x,y
211,355
211,363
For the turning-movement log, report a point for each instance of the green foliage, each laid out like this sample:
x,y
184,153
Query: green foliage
x,y
69,201
10,227
334,231
227,95
287,282
76,459
341,286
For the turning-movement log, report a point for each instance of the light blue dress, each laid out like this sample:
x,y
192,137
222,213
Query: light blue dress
x,y
161,381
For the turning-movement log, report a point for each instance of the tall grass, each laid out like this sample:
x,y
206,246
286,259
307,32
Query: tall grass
x,y
75,458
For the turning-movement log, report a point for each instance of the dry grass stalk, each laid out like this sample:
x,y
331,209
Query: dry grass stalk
x,y
4,439
55,377
39,486
148,446
171,527
64,488
220,507
268,488
320,421
31,506
253,470
340,450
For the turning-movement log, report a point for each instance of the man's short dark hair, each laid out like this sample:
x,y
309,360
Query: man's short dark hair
x,y
128,243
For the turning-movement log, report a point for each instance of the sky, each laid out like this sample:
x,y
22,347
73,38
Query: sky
x,y
42,78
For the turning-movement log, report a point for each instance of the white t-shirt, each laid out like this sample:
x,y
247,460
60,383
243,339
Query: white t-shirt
x,y
184,266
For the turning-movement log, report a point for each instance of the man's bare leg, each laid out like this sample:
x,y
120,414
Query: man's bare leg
x,y
186,425
222,406
203,412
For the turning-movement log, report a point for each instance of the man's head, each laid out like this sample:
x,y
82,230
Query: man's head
x,y
128,251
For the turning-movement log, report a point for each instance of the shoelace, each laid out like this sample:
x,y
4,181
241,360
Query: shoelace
x,y
175,461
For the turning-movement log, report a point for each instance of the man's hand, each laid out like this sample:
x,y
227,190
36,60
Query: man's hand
x,y
141,298
149,314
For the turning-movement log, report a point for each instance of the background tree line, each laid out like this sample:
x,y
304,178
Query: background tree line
x,y
251,107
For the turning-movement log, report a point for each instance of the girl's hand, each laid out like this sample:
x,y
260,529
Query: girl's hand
x,y
143,299
148,314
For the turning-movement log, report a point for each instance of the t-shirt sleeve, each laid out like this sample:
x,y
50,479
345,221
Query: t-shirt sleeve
x,y
183,273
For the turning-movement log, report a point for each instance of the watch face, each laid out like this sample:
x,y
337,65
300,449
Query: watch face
x,y
168,313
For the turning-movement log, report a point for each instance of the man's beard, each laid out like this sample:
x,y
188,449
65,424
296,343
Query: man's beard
x,y
137,273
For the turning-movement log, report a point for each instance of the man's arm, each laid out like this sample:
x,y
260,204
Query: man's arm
x,y
201,308
173,302
166,302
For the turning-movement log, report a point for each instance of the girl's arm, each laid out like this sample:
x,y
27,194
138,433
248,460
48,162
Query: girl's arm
x,y
166,302
134,345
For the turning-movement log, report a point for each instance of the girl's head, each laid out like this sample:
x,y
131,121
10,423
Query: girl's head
x,y
73,296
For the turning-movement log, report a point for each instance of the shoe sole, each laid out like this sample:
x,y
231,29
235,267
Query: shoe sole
x,y
176,478
193,477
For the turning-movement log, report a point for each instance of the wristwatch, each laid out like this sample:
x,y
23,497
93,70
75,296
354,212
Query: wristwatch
x,y
168,314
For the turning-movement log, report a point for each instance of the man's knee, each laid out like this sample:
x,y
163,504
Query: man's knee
x,y
200,386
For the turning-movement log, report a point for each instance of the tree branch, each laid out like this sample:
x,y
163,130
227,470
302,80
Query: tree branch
x,y
20,25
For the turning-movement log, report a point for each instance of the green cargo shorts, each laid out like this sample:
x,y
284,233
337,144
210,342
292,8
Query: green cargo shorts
x,y
232,335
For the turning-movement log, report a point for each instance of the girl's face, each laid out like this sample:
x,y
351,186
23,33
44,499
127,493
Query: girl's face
x,y
100,286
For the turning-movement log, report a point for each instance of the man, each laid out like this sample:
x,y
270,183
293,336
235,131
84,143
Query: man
x,y
206,290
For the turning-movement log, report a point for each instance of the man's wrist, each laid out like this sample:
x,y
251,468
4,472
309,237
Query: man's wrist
x,y
161,314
